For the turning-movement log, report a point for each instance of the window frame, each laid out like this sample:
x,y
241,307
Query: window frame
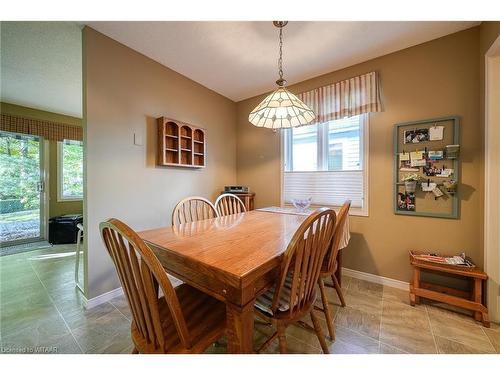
x,y
60,167
365,143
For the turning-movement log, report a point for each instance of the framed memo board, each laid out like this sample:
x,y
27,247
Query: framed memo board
x,y
426,168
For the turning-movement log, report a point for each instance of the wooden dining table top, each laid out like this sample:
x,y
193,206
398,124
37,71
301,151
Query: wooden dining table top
x,y
240,246
232,258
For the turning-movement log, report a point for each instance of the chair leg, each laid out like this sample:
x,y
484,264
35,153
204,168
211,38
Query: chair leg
x,y
319,332
338,289
326,309
282,337
77,260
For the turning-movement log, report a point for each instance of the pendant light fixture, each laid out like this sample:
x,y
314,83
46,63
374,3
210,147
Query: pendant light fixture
x,y
281,109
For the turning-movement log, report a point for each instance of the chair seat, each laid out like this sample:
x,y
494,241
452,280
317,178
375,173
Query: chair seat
x,y
265,301
205,319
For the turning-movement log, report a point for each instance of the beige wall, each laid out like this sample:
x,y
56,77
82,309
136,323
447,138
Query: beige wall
x,y
55,208
434,79
124,92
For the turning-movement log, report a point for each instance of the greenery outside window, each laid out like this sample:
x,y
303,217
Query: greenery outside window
x,y
69,170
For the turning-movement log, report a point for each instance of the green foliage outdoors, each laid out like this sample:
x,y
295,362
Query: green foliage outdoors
x,y
19,170
73,169
20,173
10,205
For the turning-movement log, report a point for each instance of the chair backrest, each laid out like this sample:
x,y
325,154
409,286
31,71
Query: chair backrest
x,y
331,256
302,262
193,209
229,204
141,273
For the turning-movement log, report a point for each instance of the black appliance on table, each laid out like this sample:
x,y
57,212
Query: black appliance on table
x,y
63,230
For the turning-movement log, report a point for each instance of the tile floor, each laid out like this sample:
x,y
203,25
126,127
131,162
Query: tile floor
x,y
40,310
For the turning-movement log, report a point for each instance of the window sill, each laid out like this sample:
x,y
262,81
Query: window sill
x,y
63,200
358,212
352,211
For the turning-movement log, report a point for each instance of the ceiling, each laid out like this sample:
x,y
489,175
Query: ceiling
x,y
41,66
41,62
238,59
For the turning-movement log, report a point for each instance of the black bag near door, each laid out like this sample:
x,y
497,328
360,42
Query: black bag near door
x,y
63,230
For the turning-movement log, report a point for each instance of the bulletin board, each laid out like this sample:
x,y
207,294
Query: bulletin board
x,y
427,151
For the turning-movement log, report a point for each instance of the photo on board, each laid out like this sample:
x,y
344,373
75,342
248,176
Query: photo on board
x,y
416,136
406,201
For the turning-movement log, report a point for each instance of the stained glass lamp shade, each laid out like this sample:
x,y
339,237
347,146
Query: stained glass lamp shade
x,y
281,109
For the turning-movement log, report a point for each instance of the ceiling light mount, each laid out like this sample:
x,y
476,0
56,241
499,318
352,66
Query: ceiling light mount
x,y
280,24
281,109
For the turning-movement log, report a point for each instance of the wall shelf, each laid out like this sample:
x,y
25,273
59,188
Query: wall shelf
x,y
180,144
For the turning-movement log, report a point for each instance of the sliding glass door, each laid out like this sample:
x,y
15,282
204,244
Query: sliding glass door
x,y
21,189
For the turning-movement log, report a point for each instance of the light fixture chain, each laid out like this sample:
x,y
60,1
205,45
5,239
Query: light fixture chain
x,y
280,59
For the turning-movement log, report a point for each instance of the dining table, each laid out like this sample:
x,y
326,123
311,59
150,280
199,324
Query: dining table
x,y
233,258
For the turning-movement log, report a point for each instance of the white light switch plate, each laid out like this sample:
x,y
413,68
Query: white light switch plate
x,y
137,139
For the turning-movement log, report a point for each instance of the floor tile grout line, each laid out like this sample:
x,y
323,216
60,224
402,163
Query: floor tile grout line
x,y
57,309
461,343
472,324
364,336
381,318
126,317
432,330
394,347
491,342
305,343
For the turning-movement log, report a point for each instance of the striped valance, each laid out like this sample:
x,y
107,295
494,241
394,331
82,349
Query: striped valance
x,y
347,98
53,131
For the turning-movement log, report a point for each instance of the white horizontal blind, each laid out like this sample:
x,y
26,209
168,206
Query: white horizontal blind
x,y
325,187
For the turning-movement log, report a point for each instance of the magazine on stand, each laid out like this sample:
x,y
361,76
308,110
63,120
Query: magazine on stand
x,y
456,260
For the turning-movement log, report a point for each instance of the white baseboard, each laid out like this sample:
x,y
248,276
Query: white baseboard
x,y
103,298
376,279
106,297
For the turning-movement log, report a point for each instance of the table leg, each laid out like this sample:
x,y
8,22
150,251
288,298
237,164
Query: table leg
x,y
477,298
240,321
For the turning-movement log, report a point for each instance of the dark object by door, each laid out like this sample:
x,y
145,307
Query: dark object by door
x,y
63,230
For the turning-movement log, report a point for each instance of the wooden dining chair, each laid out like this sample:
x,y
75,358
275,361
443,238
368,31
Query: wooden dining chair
x,y
193,209
293,297
330,265
183,320
229,204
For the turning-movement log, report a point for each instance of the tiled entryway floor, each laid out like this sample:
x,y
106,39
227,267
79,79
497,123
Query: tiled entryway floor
x,y
40,309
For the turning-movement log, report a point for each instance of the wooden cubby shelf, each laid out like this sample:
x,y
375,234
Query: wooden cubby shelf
x,y
180,144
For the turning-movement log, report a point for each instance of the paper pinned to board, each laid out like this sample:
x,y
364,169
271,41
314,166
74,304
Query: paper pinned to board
x,y
437,192
404,156
416,155
418,163
445,172
428,186
435,155
436,133
417,159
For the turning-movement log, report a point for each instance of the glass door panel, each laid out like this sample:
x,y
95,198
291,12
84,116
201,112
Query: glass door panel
x,y
21,188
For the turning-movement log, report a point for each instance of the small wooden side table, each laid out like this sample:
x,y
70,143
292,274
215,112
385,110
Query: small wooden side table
x,y
469,301
247,199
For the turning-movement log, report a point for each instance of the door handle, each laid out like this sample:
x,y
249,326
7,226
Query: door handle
x,y
40,186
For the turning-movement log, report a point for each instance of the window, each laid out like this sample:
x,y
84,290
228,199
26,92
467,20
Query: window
x,y
70,170
328,162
